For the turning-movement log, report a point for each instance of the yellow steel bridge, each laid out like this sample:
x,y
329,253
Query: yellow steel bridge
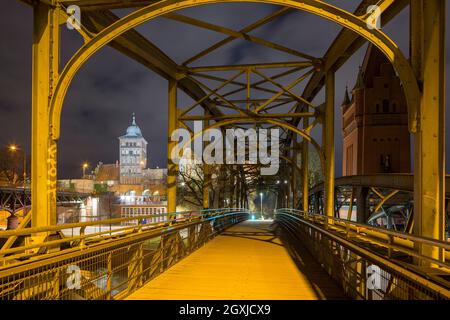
x,y
131,261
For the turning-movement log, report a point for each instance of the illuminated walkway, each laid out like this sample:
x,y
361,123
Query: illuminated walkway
x,y
246,262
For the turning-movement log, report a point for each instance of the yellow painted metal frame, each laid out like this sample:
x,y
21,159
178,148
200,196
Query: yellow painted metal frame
x,y
49,123
327,11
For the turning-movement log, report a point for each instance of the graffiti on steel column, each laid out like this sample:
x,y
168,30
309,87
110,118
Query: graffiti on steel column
x,y
51,174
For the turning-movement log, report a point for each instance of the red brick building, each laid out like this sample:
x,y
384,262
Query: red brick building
x,y
375,121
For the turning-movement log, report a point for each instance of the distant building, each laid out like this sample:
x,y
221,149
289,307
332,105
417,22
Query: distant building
x,y
76,185
126,188
132,154
108,174
375,121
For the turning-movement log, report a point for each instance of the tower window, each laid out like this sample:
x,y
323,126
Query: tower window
x,y
386,162
385,106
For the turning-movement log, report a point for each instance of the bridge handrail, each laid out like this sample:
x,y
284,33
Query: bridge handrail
x,y
390,240
179,217
133,259
60,227
429,281
398,234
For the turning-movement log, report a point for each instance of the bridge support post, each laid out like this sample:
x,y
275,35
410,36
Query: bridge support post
x,y
428,59
328,145
206,172
238,189
172,169
361,204
294,175
305,168
43,148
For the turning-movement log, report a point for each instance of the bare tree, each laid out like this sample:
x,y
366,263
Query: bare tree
x,y
8,167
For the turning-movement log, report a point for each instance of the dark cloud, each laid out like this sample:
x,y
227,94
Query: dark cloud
x,y
109,87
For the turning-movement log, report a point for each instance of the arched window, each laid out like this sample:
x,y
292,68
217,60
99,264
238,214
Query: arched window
x,y
378,108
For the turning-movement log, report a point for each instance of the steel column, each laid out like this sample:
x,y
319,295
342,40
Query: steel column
x,y
206,171
43,148
328,138
428,60
294,174
172,169
362,211
305,168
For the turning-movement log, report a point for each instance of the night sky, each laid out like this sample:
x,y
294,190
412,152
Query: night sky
x,y
109,87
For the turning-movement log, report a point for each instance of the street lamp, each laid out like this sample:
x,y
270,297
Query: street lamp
x,y
85,166
14,148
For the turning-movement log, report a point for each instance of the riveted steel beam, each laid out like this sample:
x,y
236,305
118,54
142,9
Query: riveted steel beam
x,y
428,57
43,148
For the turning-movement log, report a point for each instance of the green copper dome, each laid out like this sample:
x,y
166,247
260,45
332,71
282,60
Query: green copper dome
x,y
133,131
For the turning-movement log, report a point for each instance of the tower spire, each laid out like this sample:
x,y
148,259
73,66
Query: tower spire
x,y
359,81
134,119
346,101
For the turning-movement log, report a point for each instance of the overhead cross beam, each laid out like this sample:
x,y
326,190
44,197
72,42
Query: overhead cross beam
x,y
237,34
347,43
247,29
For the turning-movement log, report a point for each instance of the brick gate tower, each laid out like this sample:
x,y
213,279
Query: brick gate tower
x,y
375,121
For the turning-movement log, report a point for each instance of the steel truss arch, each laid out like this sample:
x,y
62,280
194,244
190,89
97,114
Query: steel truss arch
x,y
319,8
278,123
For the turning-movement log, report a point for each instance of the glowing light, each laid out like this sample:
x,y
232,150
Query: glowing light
x,y
13,148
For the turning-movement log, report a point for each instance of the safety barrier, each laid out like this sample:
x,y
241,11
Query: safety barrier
x,y
108,264
368,262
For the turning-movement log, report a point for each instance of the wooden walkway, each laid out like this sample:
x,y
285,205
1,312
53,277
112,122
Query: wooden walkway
x,y
245,262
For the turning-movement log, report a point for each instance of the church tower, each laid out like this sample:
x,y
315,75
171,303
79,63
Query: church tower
x,y
133,154
375,121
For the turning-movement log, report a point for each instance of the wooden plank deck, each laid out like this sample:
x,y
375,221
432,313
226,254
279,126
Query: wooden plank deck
x,y
245,262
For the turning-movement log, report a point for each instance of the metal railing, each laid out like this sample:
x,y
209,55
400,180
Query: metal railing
x,y
109,264
369,262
